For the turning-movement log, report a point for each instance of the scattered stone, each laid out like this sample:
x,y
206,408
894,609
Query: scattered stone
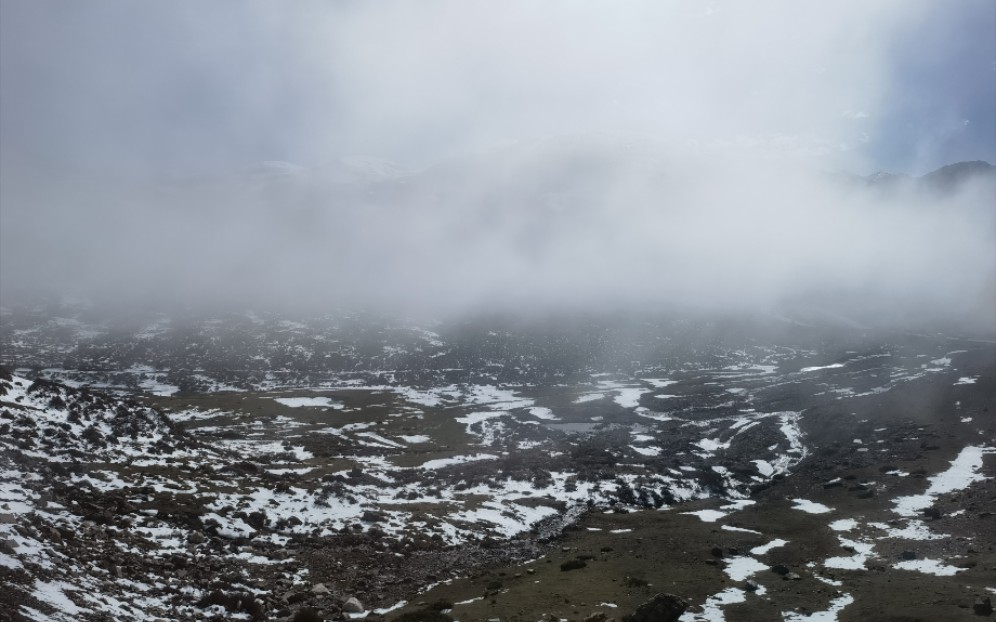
x,y
574,564
716,551
907,555
320,589
779,569
597,617
751,585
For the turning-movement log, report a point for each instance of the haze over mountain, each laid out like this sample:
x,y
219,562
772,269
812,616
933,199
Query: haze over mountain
x,y
527,157
582,220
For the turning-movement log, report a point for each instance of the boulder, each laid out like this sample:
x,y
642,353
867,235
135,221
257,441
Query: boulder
x,y
983,606
660,608
574,564
353,605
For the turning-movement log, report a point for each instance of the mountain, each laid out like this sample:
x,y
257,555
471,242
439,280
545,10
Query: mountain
x,y
950,177
941,181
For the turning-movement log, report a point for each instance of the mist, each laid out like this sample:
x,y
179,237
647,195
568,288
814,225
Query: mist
x,y
525,157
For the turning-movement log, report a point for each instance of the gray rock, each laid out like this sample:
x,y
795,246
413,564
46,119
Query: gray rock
x,y
353,605
7,546
320,589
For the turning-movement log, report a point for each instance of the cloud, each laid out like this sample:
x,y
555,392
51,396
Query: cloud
x,y
565,154
185,85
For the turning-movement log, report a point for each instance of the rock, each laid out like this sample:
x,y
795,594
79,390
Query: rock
x,y
932,513
983,606
791,576
597,617
779,569
907,555
307,615
751,585
353,605
320,589
196,537
660,608
716,551
574,564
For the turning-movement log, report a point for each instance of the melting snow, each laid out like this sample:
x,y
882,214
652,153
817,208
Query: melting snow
x,y
708,516
761,550
862,552
819,367
543,413
810,507
712,608
414,438
830,615
309,402
743,568
844,524
963,472
445,462
928,566
764,467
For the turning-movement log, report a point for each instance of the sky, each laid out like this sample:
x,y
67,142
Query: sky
x,y
562,153
184,88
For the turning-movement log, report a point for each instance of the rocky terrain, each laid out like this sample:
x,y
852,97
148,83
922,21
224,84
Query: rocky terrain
x,y
253,467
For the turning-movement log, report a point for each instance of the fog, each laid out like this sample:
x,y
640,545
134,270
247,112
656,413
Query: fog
x,y
517,157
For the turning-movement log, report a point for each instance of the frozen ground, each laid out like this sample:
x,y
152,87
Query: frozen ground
x,y
247,493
